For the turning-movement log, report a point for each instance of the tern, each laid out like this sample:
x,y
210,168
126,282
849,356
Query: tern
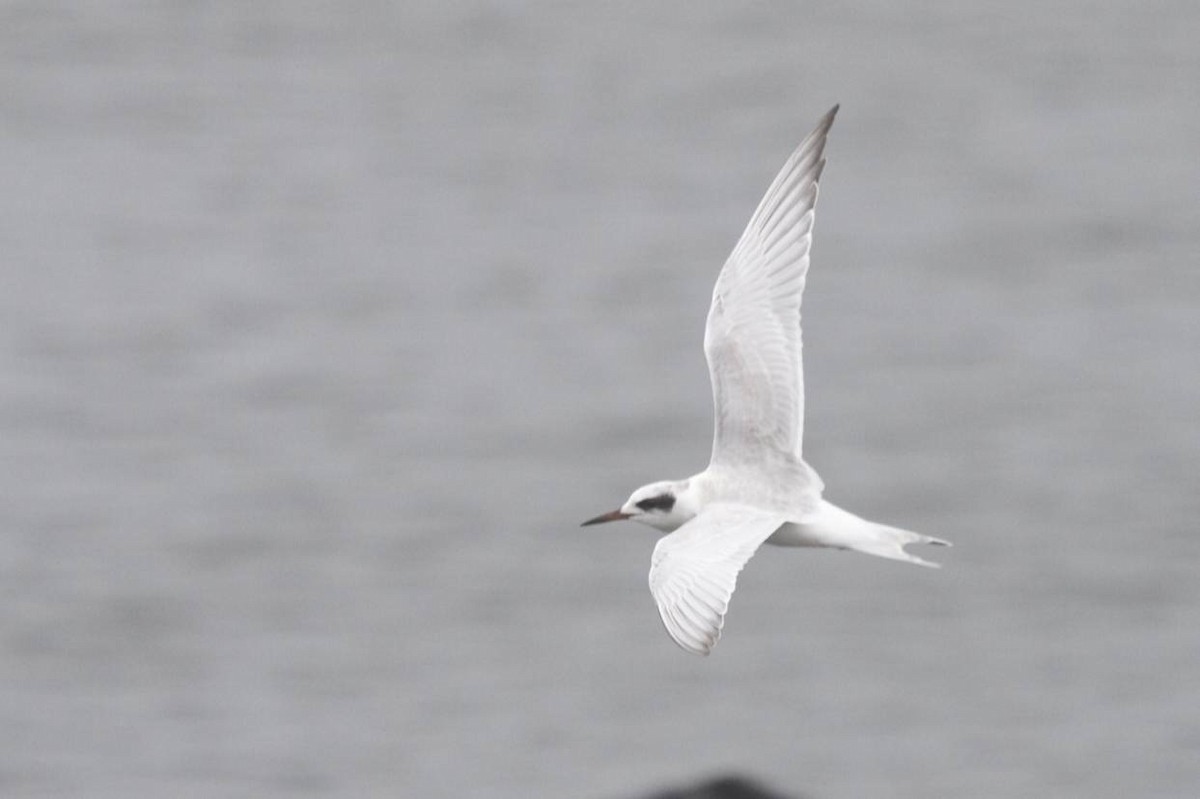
x,y
757,488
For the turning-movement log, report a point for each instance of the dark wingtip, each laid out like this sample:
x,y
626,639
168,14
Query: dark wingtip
x,y
827,120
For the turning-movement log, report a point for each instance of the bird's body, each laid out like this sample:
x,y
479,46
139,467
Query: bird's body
x,y
757,488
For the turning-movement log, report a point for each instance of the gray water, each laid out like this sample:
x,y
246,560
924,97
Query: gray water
x,y
325,326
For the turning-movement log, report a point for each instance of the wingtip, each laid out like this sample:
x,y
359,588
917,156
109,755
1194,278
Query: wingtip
x,y
826,122
701,649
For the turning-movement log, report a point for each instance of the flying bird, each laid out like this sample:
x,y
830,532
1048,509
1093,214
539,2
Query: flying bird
x,y
757,487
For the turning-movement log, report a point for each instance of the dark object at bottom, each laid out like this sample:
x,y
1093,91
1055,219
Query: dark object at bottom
x,y
721,788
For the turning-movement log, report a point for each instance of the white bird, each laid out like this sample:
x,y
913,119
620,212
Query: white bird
x,y
756,488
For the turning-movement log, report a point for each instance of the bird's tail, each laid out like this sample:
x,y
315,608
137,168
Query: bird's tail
x,y
835,527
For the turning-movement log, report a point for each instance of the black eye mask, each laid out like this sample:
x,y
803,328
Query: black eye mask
x,y
661,502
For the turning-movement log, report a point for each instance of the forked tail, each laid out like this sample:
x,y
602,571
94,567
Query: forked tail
x,y
832,526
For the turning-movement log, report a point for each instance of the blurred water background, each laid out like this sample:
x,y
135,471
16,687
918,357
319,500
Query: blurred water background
x,y
324,325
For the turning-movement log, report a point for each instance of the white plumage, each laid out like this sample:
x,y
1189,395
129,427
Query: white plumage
x,y
693,571
752,340
757,488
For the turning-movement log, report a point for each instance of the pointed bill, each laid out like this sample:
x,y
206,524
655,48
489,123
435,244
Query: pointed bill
x,y
611,516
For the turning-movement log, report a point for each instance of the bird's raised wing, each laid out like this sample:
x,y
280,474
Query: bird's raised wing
x,y
752,341
694,570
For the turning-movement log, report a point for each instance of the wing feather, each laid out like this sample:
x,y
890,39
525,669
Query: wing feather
x,y
694,570
752,341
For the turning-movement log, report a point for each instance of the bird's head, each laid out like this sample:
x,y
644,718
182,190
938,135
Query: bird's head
x,y
664,506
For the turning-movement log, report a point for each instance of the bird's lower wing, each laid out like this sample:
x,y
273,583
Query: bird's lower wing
x,y
694,570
